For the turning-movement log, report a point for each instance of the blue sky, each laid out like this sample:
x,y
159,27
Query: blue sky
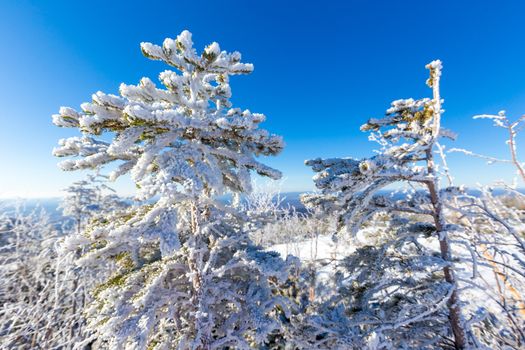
x,y
321,69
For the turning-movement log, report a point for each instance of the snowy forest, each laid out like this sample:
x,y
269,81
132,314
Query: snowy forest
x,y
389,252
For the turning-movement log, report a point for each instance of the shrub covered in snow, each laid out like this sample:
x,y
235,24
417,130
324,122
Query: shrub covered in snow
x,y
42,293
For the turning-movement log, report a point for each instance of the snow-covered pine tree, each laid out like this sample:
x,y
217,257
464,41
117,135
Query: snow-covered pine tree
x,y
408,135
85,200
188,277
88,197
77,201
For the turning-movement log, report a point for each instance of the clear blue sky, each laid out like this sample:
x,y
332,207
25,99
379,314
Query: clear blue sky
x,y
321,69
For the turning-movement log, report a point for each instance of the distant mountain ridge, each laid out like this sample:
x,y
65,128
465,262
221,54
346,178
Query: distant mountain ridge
x,y
50,205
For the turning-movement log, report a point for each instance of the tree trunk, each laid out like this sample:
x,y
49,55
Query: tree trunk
x,y
454,310
195,268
